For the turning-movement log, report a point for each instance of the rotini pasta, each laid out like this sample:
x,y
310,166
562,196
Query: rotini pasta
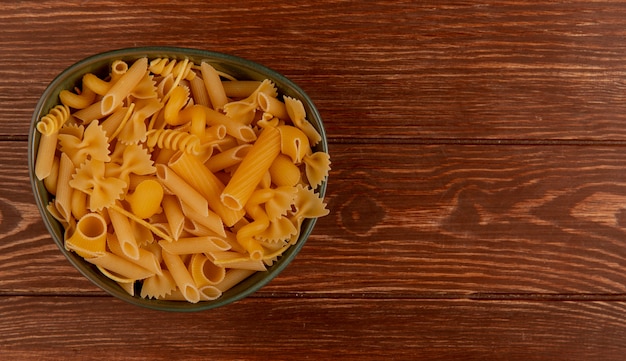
x,y
178,178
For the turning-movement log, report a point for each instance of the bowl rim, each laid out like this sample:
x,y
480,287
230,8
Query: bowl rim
x,y
220,60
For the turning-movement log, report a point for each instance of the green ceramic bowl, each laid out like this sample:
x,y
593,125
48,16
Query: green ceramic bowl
x,y
99,64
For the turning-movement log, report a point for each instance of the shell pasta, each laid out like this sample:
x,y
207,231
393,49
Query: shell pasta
x,y
176,179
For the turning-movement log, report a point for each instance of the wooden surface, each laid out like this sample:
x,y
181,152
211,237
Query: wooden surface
x,y
478,191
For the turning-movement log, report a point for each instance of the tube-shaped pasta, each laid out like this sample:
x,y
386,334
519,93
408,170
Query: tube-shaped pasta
x,y
233,277
63,201
178,97
120,266
191,245
240,88
205,272
122,87
146,259
190,169
183,190
252,169
181,276
125,234
213,85
237,130
272,105
227,158
174,215
89,238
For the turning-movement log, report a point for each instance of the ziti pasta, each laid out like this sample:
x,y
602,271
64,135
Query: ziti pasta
x,y
179,179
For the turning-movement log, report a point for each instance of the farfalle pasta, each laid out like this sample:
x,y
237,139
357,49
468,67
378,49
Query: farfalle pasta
x,y
179,180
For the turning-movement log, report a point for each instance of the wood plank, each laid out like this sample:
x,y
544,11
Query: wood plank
x,y
427,70
87,328
410,220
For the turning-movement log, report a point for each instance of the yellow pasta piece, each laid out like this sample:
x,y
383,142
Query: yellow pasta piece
x,y
191,245
213,85
120,267
204,272
297,114
77,101
173,140
122,87
252,169
200,178
145,201
181,276
284,172
294,143
89,238
317,167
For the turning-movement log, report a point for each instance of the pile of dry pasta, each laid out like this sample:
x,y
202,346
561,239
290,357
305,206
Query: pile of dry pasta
x,y
176,179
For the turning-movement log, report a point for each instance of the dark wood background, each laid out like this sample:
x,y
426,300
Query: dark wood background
x,y
478,191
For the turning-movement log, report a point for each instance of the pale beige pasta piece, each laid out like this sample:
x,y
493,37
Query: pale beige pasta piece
x,y
146,88
124,234
120,266
158,286
50,182
213,85
211,221
166,66
145,259
130,159
234,277
174,140
174,215
134,129
244,111
240,88
236,260
183,190
297,114
272,106
252,169
90,113
181,276
199,177
89,237
239,131
103,191
317,167
63,200
227,158
122,87
115,120
191,245
279,229
93,145
49,126
199,92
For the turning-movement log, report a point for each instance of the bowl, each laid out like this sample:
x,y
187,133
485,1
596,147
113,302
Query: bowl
x,y
239,68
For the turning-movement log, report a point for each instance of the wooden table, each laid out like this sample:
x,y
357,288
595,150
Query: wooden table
x,y
478,190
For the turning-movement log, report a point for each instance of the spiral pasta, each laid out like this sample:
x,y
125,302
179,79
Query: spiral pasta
x,y
173,140
54,120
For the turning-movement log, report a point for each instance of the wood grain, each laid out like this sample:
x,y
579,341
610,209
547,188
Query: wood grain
x,y
441,221
53,328
391,69
478,195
